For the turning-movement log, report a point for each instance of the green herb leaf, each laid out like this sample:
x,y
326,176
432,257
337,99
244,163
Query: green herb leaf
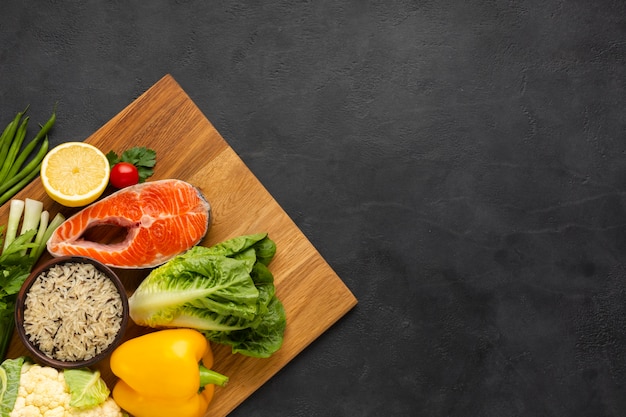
x,y
143,158
112,158
140,156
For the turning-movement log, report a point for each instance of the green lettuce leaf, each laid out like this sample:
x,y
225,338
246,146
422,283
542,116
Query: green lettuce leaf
x,y
226,291
265,250
87,389
219,284
260,341
10,374
235,245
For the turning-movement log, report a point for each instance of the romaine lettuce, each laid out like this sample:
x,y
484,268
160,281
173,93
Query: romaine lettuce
x,y
226,291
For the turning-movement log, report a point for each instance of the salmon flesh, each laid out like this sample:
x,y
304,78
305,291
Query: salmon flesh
x,y
146,225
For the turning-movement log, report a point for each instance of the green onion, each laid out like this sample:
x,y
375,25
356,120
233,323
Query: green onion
x,y
41,245
15,261
26,175
15,214
15,171
14,148
32,216
43,225
8,135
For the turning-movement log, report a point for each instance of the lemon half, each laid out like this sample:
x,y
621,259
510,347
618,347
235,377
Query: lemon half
x,y
75,173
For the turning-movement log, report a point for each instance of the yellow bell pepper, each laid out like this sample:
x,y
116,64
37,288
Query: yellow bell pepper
x,y
165,373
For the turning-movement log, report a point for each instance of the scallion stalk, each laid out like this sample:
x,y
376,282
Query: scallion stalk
x,y
43,225
15,215
56,221
14,265
32,216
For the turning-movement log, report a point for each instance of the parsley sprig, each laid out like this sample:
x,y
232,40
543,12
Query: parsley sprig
x,y
140,156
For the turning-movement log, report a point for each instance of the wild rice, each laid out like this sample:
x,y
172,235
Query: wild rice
x,y
72,312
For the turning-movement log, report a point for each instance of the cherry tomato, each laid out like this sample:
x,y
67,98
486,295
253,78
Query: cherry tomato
x,y
124,174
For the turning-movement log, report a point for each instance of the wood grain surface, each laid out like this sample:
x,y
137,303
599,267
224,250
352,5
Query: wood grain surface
x,y
188,147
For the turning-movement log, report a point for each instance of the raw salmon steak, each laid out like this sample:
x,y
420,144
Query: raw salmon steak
x,y
151,222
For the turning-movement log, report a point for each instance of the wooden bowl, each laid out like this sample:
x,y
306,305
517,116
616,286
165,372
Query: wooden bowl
x,y
52,315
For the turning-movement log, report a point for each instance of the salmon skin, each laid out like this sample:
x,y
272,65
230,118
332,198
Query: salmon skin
x,y
161,219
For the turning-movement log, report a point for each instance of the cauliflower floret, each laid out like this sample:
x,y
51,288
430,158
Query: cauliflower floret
x,y
108,408
28,411
44,393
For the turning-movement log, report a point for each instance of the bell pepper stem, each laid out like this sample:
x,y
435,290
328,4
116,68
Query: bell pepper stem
x,y
208,376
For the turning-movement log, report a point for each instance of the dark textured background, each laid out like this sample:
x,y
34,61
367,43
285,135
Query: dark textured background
x,y
461,164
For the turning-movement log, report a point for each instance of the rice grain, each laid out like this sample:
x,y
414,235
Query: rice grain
x,y
72,312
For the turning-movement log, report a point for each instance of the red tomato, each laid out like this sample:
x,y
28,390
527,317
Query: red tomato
x,y
124,174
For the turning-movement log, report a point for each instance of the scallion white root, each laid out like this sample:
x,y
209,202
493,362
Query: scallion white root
x,y
32,216
35,221
15,215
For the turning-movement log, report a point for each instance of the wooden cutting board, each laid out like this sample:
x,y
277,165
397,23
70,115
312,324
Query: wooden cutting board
x,y
188,147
